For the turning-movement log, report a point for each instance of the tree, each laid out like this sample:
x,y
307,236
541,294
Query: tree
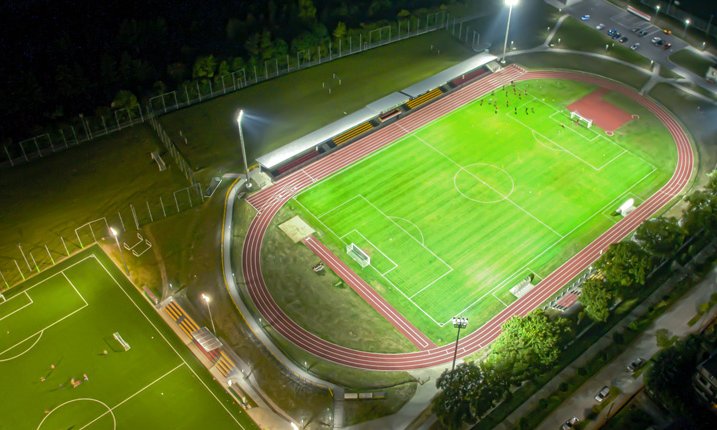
x,y
307,11
340,30
530,342
266,46
124,100
596,297
660,236
625,264
701,212
204,67
467,393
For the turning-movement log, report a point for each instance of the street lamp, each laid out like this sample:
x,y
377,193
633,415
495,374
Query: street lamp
x,y
687,23
510,4
459,323
115,233
208,299
657,11
243,149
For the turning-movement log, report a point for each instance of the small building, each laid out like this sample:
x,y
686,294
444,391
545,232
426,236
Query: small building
x,y
705,380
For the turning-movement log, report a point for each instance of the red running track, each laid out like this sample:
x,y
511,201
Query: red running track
x,y
270,200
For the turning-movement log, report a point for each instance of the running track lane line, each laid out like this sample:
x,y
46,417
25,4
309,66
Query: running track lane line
x,y
269,201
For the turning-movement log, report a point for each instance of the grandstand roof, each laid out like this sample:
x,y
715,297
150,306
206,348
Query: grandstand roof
x,y
302,144
206,339
315,138
441,78
387,103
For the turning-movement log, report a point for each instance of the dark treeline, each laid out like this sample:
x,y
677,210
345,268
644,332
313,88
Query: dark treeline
x,y
62,58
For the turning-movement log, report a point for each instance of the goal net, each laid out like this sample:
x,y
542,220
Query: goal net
x,y
358,255
576,115
121,341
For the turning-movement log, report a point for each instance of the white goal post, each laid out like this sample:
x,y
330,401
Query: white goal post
x,y
121,341
575,114
358,255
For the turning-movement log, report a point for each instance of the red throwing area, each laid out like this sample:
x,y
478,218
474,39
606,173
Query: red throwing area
x,y
603,113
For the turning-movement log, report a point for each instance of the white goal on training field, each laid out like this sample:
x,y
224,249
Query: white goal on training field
x,y
121,341
588,122
358,255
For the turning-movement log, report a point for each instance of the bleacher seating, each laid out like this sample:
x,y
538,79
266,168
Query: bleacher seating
x,y
184,321
424,98
388,115
467,77
225,365
296,162
352,133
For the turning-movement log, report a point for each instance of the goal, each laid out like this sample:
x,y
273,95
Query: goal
x,y
121,341
358,255
588,122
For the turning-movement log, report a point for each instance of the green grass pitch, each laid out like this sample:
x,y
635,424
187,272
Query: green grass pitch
x,y
66,318
457,213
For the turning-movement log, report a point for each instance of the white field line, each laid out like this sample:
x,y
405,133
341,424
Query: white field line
x,y
498,298
374,246
423,239
39,336
110,410
339,206
167,341
484,183
525,266
385,278
74,288
21,307
55,322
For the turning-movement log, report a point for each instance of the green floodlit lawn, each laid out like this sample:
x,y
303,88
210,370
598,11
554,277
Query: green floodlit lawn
x,y
66,317
457,213
692,61
283,109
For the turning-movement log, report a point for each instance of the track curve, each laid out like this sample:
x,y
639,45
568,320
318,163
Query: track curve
x,y
270,200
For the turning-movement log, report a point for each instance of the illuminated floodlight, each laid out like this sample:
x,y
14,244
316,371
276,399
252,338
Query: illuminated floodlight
x,y
511,3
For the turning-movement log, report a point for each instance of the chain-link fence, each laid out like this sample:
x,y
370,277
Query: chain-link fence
x,y
177,156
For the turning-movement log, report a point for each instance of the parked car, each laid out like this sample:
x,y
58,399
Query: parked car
x,y
642,33
636,29
667,46
599,26
635,364
655,40
602,394
623,39
635,46
667,31
611,32
569,424
585,18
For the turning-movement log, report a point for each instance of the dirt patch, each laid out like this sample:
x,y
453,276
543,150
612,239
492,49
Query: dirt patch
x,y
296,229
603,113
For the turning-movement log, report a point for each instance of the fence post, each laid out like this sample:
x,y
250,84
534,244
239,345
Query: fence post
x,y
48,253
23,152
9,158
175,201
121,221
4,280
151,218
67,251
37,147
18,269
134,215
37,267
161,203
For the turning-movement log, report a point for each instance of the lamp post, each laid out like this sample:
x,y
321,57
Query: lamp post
x,y
208,299
687,23
459,323
510,4
243,149
657,11
115,233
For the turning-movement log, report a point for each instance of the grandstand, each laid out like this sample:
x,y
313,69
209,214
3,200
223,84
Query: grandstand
x,y
373,116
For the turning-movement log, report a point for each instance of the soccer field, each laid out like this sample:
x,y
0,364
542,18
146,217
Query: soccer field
x,y
59,327
457,213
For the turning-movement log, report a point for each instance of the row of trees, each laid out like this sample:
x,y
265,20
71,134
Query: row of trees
x,y
532,344
625,265
59,63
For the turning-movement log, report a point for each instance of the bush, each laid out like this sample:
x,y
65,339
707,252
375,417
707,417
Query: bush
x,y
563,387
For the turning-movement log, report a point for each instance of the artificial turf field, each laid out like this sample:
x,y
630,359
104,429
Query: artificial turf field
x,y
66,318
457,213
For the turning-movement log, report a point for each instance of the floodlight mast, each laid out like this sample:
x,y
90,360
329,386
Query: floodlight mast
x,y
459,323
115,234
510,4
243,149
207,299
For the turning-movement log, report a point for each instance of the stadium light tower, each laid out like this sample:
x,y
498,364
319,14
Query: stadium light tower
x,y
243,149
208,299
459,323
510,4
115,234
687,23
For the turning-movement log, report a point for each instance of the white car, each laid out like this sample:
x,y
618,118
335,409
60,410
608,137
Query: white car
x,y
602,394
635,46
599,26
570,424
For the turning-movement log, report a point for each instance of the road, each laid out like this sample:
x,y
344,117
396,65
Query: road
x,y
615,373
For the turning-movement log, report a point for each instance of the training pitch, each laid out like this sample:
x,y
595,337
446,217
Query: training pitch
x,y
59,326
460,211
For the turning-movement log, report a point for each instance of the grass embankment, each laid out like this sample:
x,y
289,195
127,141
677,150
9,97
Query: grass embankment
x,y
283,109
692,61
49,198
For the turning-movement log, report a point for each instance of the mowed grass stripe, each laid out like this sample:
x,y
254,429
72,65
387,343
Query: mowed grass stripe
x,y
491,197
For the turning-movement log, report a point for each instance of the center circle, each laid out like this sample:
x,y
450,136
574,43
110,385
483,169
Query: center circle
x,y
483,183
